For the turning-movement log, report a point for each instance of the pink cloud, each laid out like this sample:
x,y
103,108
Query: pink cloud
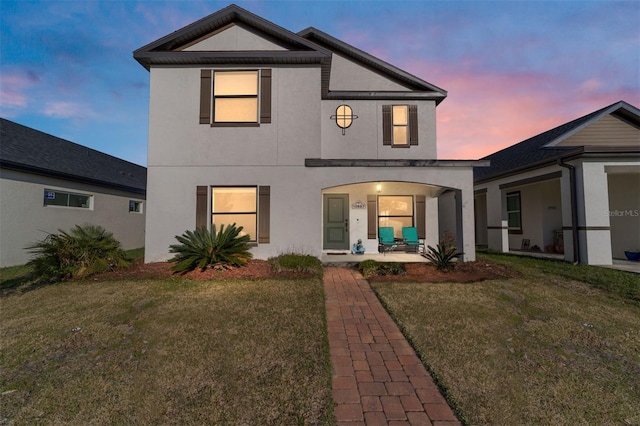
x,y
13,91
68,110
484,113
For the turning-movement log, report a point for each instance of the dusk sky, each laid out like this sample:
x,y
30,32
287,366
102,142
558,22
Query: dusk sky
x,y
512,69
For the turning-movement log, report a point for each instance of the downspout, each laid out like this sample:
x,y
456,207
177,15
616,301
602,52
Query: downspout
x,y
574,209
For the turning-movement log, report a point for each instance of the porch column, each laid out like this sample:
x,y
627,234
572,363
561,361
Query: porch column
x,y
567,221
465,224
431,213
593,219
497,226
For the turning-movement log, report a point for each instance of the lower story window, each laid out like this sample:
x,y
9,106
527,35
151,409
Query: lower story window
x,y
67,199
235,205
514,212
395,211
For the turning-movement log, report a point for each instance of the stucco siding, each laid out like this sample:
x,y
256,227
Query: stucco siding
x,y
233,38
363,139
624,212
177,139
541,206
296,201
25,219
349,76
608,130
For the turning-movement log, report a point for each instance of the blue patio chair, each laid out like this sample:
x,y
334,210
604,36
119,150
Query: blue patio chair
x,y
386,240
410,238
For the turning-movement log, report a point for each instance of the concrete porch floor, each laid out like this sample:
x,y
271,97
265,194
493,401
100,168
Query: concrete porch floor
x,y
330,258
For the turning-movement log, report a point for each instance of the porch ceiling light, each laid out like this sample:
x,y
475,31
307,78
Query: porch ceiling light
x,y
379,188
344,117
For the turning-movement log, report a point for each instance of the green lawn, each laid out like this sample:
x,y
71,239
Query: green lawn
x,y
165,351
559,345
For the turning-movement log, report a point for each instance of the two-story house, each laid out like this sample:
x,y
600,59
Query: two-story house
x,y
307,142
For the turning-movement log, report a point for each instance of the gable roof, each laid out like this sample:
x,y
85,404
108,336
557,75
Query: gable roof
x,y
429,91
166,50
29,150
540,149
309,46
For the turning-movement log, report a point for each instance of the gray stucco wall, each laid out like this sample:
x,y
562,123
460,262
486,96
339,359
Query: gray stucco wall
x,y
24,219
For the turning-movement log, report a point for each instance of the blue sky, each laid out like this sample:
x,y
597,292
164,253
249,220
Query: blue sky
x,y
512,69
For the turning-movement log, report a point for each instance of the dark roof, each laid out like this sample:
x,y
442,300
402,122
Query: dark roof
x,y
310,46
429,91
25,149
166,50
539,150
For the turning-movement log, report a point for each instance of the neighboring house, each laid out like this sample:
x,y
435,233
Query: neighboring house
x,y
577,185
48,183
307,142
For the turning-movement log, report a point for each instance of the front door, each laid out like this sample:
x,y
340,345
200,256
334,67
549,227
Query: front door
x,y
336,221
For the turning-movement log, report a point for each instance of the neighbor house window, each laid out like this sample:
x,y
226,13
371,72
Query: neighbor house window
x,y
395,211
66,199
514,213
235,97
135,206
235,205
400,125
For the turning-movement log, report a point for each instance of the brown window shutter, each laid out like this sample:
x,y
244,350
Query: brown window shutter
x,y
202,214
413,124
372,217
387,125
420,216
205,96
264,213
265,96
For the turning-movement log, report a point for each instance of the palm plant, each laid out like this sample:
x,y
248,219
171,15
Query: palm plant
x,y
82,251
203,248
442,256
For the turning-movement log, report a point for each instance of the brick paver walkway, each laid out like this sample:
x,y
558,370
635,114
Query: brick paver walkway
x,y
377,377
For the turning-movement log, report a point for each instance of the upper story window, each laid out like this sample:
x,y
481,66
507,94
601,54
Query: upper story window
x,y
66,199
400,125
235,97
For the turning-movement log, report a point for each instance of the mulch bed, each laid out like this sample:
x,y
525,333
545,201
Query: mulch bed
x,y
416,272
463,273
254,269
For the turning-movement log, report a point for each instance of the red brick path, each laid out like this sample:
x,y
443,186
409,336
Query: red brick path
x,y
377,377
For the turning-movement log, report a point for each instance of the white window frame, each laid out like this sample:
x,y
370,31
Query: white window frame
x,y
89,197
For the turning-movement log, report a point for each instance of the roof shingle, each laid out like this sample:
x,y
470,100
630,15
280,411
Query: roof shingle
x,y
27,149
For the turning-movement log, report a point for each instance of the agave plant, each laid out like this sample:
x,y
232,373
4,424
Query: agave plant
x,y
203,248
442,256
82,251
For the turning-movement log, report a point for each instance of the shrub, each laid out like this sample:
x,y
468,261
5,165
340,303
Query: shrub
x,y
371,268
442,256
82,251
203,248
298,263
